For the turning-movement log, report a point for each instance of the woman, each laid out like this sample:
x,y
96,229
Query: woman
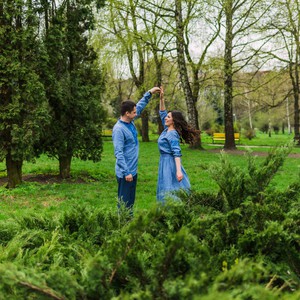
x,y
171,174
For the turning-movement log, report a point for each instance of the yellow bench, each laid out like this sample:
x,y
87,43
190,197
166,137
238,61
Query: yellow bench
x,y
217,136
106,132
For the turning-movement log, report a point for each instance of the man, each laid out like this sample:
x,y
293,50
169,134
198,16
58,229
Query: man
x,y
126,148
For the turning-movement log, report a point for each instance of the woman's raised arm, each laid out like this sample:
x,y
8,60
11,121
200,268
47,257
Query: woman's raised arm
x,y
162,100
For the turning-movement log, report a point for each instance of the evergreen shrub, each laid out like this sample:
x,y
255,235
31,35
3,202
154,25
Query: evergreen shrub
x,y
240,243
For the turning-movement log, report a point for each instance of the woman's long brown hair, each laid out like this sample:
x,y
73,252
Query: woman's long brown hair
x,y
185,131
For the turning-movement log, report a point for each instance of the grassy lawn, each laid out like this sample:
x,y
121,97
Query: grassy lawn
x,y
94,184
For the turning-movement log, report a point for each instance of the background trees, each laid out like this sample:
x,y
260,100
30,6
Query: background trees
x,y
50,84
122,23
191,87
283,25
24,107
214,45
240,20
228,58
74,85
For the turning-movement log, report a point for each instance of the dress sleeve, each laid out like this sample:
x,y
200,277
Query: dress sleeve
x,y
163,114
173,139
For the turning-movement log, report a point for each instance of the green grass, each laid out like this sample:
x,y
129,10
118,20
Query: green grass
x,y
98,184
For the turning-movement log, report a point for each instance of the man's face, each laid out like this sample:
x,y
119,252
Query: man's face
x,y
131,115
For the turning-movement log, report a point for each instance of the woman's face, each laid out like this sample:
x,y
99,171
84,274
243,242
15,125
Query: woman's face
x,y
169,119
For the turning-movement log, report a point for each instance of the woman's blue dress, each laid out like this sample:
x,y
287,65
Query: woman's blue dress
x,y
169,148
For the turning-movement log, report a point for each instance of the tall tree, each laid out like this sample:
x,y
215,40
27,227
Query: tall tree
x,y
241,18
189,69
283,27
164,28
23,109
180,26
159,40
74,84
121,22
228,74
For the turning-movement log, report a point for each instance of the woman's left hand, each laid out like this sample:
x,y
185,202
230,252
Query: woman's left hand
x,y
179,176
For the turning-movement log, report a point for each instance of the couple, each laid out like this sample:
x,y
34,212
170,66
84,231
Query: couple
x,y
171,176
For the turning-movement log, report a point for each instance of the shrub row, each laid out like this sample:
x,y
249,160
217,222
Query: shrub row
x,y
241,243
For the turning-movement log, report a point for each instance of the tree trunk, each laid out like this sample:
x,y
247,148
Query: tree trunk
x,y
145,126
296,90
270,128
158,64
288,116
14,171
228,78
65,166
184,78
295,82
296,119
249,114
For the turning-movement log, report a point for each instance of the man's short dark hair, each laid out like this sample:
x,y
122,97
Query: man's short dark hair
x,y
127,105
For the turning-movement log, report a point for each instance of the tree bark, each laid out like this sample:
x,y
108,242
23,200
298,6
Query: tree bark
x,y
296,81
145,126
249,114
14,171
288,116
190,101
65,166
228,80
296,119
158,65
293,71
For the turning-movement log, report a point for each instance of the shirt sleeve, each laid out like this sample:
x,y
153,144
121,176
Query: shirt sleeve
x,y
173,139
163,114
118,141
140,106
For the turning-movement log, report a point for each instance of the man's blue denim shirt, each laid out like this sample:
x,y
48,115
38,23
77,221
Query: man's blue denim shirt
x,y
126,145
